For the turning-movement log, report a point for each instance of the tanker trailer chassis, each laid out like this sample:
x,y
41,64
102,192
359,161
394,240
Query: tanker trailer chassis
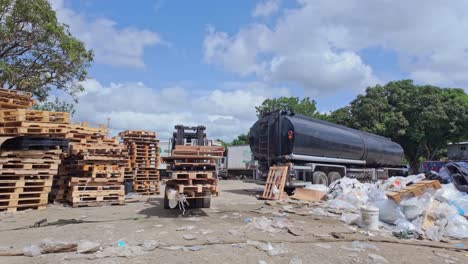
x,y
321,152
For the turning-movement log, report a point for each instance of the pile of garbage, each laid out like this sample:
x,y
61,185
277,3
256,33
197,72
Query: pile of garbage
x,y
435,214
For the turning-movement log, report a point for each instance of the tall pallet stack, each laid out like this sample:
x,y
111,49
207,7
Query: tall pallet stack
x,y
193,171
92,173
143,160
26,174
26,178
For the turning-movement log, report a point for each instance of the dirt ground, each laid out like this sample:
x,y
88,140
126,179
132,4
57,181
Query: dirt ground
x,y
222,231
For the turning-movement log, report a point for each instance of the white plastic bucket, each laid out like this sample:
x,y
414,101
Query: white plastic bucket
x,y
370,217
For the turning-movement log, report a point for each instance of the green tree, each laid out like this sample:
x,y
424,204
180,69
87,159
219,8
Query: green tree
x,y
303,106
38,53
55,106
240,140
421,118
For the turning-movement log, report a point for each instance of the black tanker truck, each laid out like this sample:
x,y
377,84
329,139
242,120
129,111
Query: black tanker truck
x,y
321,152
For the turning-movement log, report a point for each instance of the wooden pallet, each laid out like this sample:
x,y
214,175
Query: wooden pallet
x,y
18,115
22,200
192,174
12,99
274,186
413,190
209,151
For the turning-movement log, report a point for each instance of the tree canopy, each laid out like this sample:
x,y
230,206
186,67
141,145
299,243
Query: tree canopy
x,y
240,140
38,53
304,106
421,118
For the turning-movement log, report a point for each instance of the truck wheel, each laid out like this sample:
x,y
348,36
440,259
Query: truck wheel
x,y
206,202
333,176
319,177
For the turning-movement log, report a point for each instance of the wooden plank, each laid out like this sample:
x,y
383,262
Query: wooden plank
x,y
413,190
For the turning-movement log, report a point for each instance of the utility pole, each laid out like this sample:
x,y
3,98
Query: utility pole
x,y
108,122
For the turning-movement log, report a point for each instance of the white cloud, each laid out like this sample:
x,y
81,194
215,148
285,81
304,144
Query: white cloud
x,y
317,44
112,44
266,8
226,112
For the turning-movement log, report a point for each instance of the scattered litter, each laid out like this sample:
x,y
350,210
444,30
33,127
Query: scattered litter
x,y
224,216
185,228
239,245
194,248
157,225
295,261
149,245
127,252
121,243
85,247
205,232
262,262
248,219
173,248
189,237
32,251
377,258
139,231
323,245
363,245
264,224
267,247
351,249
350,218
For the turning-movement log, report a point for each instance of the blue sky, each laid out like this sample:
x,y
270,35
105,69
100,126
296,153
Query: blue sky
x,y
163,62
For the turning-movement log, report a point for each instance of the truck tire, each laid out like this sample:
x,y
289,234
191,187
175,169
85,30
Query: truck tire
x,y
206,202
319,177
333,176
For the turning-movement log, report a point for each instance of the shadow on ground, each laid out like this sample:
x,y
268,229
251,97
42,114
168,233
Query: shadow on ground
x,y
249,192
157,210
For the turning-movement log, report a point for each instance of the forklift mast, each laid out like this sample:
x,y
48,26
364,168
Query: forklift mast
x,y
186,135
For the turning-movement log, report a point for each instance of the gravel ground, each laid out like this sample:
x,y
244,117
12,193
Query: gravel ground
x,y
222,232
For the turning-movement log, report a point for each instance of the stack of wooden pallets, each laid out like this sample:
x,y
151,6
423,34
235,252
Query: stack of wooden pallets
x,y
193,170
92,173
26,178
143,160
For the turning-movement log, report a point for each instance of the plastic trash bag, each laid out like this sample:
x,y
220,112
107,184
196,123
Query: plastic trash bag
x,y
405,225
389,211
415,206
316,187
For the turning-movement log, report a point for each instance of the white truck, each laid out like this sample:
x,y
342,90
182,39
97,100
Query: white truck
x,y
238,163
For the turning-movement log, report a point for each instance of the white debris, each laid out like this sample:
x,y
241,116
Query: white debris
x,y
85,247
267,247
363,245
185,228
323,245
194,248
295,261
149,245
189,237
32,251
377,258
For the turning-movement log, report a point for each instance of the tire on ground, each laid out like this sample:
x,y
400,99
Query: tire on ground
x,y
319,177
333,176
